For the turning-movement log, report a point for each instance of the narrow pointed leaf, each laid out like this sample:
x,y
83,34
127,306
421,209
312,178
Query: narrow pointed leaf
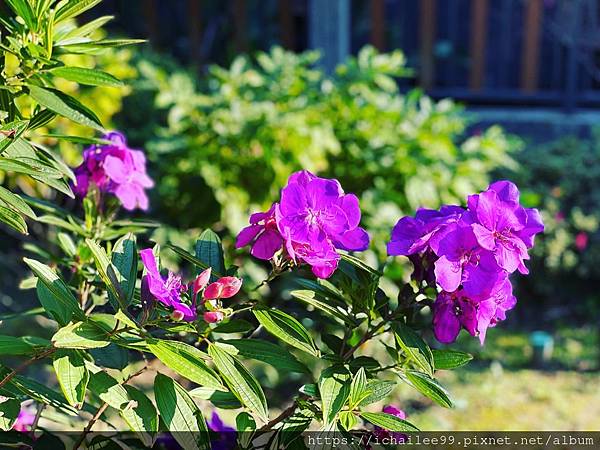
x,y
240,381
334,387
72,375
56,287
65,105
186,361
388,422
415,347
90,77
286,328
180,414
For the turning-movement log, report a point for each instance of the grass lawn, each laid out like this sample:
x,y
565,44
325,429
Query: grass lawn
x,y
500,391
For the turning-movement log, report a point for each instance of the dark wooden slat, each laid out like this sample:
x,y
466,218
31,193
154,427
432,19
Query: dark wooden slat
x,y
478,42
240,32
530,55
195,29
427,40
286,24
150,12
378,24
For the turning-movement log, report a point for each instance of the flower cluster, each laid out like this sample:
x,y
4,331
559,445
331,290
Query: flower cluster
x,y
172,293
312,221
473,251
116,169
383,435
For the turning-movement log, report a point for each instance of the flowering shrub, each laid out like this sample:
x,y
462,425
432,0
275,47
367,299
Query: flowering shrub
x,y
196,338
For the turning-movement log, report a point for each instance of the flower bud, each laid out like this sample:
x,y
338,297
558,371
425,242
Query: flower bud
x,y
231,286
177,315
201,280
213,290
213,316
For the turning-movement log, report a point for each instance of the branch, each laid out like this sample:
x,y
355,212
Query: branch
x,y
27,363
280,418
368,335
100,411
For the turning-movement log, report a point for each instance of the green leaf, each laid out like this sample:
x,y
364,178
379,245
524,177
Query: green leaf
x,y
450,359
125,259
65,105
56,287
13,346
286,328
141,415
358,388
84,30
186,361
112,356
9,411
55,309
72,8
13,219
30,166
80,335
180,414
388,422
334,387
240,381
415,347
41,393
312,298
378,390
245,426
99,46
354,261
109,275
43,117
108,389
348,420
429,387
72,375
23,9
12,132
267,352
233,326
16,202
209,250
223,400
89,77
66,244
185,255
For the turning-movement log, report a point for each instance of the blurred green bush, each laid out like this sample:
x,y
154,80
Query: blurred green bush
x,y
223,144
562,178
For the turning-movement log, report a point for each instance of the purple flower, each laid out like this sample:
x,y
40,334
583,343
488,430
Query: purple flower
x,y
313,220
165,290
116,169
24,421
473,251
464,262
451,311
226,436
262,233
316,217
413,235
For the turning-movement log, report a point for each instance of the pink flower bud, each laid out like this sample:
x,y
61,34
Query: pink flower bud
x,y
177,315
201,280
231,286
581,241
213,290
213,316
